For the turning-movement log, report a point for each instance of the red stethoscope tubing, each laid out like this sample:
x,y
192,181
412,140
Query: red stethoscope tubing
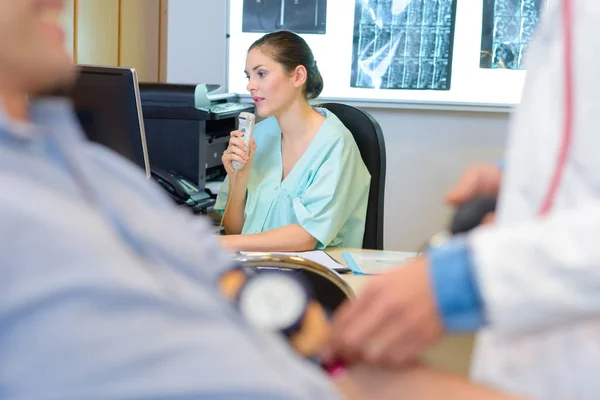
x,y
569,107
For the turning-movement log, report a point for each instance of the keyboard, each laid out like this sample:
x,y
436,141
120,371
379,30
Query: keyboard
x,y
228,108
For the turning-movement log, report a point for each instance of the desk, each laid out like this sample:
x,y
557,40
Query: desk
x,y
453,353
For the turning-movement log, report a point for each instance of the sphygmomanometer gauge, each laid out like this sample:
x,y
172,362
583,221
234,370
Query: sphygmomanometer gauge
x,y
274,301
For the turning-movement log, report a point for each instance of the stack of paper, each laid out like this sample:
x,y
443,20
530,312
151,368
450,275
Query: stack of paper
x,y
375,262
316,256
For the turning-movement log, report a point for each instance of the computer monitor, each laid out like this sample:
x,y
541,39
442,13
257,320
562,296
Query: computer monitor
x,y
108,106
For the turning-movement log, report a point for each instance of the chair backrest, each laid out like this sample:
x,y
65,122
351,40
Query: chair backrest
x,y
369,138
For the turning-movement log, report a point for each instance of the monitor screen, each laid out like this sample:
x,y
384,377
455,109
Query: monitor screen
x,y
107,103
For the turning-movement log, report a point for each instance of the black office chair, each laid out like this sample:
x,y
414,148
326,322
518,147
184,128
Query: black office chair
x,y
369,138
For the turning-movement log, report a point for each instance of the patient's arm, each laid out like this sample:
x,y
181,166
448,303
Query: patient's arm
x,y
414,383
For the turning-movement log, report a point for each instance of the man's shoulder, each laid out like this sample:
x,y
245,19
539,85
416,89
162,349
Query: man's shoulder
x,y
120,171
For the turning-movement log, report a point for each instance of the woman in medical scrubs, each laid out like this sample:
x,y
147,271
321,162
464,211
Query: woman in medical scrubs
x,y
303,184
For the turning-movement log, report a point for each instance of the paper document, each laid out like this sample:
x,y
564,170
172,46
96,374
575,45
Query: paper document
x,y
316,256
375,262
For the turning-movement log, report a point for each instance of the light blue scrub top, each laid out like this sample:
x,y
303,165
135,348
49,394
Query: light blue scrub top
x,y
326,192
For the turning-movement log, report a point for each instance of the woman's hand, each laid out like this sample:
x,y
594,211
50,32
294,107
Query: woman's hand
x,y
238,151
234,218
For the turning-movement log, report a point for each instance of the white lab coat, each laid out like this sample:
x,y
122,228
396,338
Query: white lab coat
x,y
540,278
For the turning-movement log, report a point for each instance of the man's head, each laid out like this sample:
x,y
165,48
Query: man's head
x,y
33,57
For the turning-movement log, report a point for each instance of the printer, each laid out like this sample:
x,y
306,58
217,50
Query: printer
x,y
187,129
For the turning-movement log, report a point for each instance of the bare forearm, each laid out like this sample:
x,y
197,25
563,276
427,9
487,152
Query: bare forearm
x,y
287,238
233,219
417,383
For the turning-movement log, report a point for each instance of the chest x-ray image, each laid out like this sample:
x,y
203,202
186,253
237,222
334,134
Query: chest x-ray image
x,y
300,16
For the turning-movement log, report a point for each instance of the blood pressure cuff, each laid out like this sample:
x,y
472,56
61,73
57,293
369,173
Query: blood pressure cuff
x,y
326,291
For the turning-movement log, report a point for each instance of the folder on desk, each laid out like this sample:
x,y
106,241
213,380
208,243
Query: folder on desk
x,y
375,262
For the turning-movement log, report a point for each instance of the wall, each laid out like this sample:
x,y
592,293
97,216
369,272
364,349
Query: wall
x,y
197,43
116,33
426,150
426,153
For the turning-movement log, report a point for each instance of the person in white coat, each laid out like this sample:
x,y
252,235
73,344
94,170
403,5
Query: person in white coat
x,y
531,280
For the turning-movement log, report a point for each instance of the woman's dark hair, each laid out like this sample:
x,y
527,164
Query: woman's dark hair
x,y
290,50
